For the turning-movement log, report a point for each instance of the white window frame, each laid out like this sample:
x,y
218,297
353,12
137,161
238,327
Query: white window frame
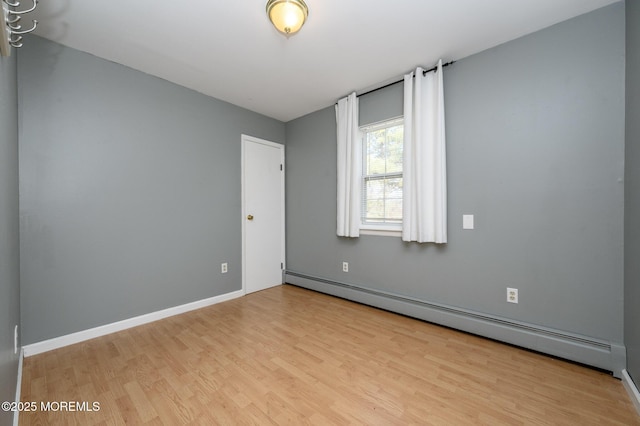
x,y
381,229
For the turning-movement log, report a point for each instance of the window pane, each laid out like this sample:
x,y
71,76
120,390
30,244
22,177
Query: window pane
x,y
382,180
375,189
393,200
394,145
375,211
393,188
383,200
393,210
375,152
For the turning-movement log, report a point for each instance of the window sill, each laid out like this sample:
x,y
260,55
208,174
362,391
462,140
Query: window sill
x,y
380,231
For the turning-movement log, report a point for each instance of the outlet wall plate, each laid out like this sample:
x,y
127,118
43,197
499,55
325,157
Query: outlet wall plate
x,y
345,266
512,295
224,268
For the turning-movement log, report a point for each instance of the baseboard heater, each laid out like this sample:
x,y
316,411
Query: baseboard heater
x,y
583,349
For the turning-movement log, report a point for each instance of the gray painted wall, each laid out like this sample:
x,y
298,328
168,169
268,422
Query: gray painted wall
x,y
9,240
130,191
535,133
632,193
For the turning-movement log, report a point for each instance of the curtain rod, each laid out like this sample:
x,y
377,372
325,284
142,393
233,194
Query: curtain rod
x,y
400,81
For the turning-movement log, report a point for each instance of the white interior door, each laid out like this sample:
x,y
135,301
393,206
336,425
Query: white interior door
x,y
262,213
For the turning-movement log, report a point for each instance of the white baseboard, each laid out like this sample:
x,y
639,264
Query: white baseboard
x,y
18,388
81,336
632,389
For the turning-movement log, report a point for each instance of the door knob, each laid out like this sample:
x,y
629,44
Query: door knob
x,y
250,217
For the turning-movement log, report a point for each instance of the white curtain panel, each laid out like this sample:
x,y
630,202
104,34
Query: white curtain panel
x,y
425,172
349,166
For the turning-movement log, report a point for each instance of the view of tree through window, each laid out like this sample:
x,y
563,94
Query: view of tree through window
x,y
382,180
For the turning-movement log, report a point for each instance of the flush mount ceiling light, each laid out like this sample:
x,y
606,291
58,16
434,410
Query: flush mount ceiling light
x,y
287,16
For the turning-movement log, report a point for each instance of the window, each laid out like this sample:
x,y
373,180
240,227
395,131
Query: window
x,y
382,177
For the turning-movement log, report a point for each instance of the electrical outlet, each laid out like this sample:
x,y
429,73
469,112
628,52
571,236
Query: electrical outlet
x,y
512,295
345,266
15,340
224,268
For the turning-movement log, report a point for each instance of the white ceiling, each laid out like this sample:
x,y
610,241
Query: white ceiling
x,y
229,49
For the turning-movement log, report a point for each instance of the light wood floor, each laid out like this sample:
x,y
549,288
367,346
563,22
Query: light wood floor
x,y
291,356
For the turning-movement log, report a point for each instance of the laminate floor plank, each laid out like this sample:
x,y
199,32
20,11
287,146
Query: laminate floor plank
x,y
287,355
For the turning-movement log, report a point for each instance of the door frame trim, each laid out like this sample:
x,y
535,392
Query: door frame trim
x,y
251,139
